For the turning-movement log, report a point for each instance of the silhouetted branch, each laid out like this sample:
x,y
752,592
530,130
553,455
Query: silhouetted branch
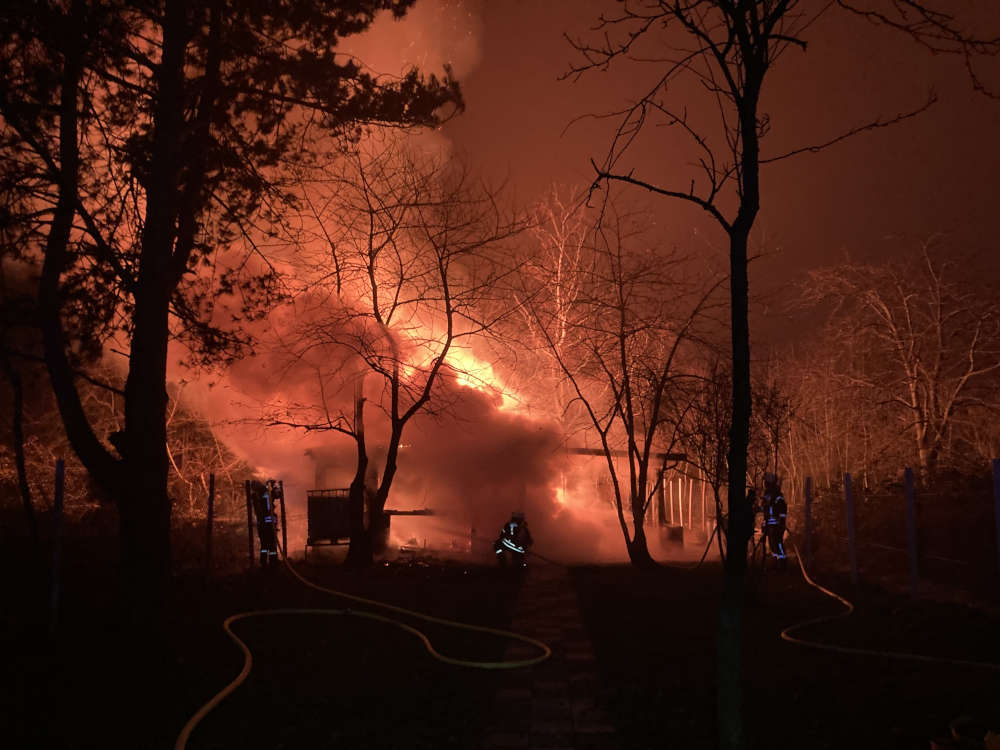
x,y
874,125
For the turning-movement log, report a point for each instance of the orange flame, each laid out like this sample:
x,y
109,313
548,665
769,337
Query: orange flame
x,y
472,372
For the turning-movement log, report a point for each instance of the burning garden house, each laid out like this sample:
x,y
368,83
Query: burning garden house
x,y
329,521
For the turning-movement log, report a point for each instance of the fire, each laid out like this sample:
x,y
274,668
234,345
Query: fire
x,y
561,498
472,372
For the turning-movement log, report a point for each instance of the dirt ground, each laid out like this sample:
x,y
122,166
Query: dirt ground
x,y
658,662
325,681
317,680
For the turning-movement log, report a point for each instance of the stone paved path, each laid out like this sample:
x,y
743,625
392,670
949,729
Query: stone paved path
x,y
550,706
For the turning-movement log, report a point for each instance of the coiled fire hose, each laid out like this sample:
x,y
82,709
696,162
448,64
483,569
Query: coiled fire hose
x,y
786,634
200,714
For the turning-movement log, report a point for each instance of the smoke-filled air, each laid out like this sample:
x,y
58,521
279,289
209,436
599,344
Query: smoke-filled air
x,y
499,373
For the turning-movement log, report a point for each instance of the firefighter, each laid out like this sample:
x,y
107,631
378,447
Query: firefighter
x,y
775,512
264,497
514,541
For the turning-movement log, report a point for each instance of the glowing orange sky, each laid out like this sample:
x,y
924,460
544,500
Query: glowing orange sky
x,y
940,173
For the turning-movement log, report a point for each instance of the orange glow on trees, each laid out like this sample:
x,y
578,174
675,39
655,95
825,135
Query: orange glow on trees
x,y
614,316
406,267
193,106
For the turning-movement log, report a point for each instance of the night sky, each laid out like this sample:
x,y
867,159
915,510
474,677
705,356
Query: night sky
x,y
876,194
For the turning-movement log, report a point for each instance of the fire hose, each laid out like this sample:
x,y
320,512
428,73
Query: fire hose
x,y
786,634
207,707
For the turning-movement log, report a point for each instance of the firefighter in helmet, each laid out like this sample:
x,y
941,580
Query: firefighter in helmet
x,y
514,541
775,512
264,496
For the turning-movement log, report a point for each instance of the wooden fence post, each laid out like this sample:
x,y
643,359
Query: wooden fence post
x,y
246,488
208,525
661,501
996,504
809,529
704,523
690,497
911,527
852,549
57,507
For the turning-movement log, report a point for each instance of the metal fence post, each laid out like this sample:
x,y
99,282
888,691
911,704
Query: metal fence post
x,y
57,507
852,549
809,529
911,528
246,488
208,524
996,504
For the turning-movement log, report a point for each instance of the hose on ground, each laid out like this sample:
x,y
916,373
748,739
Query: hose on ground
x,y
786,634
215,700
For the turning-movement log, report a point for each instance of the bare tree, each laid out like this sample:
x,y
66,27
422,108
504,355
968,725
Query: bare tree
x,y
558,262
727,48
411,259
194,450
705,435
928,342
771,415
706,431
620,344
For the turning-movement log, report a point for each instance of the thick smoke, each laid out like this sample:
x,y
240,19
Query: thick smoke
x,y
472,459
432,35
478,463
469,458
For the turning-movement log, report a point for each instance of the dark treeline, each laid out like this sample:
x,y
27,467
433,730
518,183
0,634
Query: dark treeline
x,y
193,449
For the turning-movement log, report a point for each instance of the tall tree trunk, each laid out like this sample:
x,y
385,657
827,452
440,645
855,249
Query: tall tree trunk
x,y
379,520
729,634
729,644
638,550
99,462
143,503
729,659
927,458
359,553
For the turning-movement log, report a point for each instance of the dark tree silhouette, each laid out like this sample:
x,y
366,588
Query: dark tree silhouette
x,y
154,132
728,47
